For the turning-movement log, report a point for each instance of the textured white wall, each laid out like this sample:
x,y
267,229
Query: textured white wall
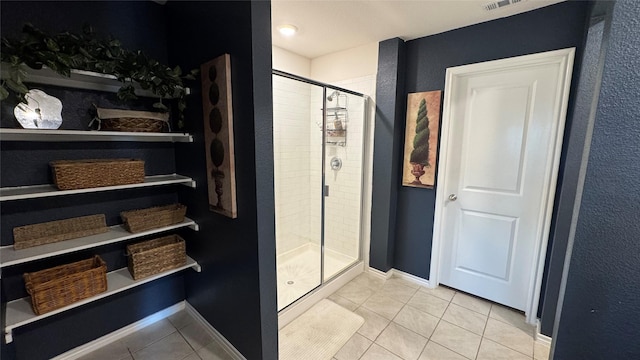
x,y
292,63
346,65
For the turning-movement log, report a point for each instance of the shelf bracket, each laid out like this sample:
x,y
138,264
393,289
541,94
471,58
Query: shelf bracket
x,y
194,227
197,267
8,336
191,184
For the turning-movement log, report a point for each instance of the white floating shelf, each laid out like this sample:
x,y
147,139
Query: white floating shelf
x,y
38,191
79,79
19,312
82,135
117,233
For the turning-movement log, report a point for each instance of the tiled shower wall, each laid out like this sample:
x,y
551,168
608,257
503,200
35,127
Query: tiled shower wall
x,y
342,206
291,126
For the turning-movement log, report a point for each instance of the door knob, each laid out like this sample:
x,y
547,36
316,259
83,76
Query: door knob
x,y
453,197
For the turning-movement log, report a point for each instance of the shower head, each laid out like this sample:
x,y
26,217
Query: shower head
x,y
334,93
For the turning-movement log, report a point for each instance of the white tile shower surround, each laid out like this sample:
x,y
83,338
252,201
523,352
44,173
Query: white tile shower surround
x,y
291,113
342,206
409,322
178,337
298,271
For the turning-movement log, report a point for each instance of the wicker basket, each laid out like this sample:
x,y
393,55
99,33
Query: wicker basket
x,y
53,231
60,286
155,256
82,174
140,220
130,120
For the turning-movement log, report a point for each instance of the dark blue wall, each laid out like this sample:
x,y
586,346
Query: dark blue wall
x,y
139,25
573,156
600,310
236,290
553,27
387,134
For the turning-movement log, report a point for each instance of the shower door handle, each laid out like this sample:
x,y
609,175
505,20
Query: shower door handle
x,y
326,190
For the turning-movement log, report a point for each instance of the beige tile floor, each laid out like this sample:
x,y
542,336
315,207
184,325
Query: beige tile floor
x,y
403,321
409,322
178,337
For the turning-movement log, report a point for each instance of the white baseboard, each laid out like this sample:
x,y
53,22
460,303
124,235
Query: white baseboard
x,y
224,343
540,337
399,274
291,312
411,278
120,333
380,274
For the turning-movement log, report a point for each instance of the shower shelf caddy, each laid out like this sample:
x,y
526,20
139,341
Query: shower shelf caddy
x,y
337,120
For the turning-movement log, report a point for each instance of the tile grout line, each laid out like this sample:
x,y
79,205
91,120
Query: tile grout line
x,y
507,346
360,306
365,350
484,330
404,306
488,316
439,321
400,325
154,342
188,343
390,321
475,311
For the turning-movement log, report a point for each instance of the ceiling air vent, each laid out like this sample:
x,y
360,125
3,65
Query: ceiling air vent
x,y
499,4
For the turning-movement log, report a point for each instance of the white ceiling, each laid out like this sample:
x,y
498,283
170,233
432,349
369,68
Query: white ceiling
x,y
329,26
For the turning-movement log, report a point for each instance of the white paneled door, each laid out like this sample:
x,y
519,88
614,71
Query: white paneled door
x,y
502,133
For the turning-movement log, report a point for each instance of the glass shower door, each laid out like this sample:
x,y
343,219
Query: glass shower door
x,y
344,139
297,135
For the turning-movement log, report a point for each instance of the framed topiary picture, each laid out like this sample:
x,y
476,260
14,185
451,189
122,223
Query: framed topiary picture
x,y
421,139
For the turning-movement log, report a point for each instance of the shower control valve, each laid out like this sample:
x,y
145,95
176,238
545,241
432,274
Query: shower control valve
x,y
336,163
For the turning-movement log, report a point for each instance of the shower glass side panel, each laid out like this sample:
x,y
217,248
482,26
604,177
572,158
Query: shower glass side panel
x,y
298,182
343,138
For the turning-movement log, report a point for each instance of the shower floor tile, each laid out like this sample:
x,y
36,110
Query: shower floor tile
x,y
299,271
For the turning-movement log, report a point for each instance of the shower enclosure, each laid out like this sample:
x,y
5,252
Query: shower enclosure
x,y
318,155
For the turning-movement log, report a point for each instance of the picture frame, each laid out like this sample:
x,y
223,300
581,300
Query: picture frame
x,y
218,134
421,139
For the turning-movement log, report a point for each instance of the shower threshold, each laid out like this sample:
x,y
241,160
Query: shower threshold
x,y
299,271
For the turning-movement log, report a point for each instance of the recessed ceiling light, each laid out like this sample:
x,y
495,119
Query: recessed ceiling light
x,y
287,30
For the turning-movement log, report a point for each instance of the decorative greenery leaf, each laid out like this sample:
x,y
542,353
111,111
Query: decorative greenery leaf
x,y
85,51
182,104
18,87
87,29
4,93
127,92
160,106
51,45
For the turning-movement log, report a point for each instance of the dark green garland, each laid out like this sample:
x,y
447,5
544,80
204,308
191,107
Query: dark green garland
x,y
66,51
